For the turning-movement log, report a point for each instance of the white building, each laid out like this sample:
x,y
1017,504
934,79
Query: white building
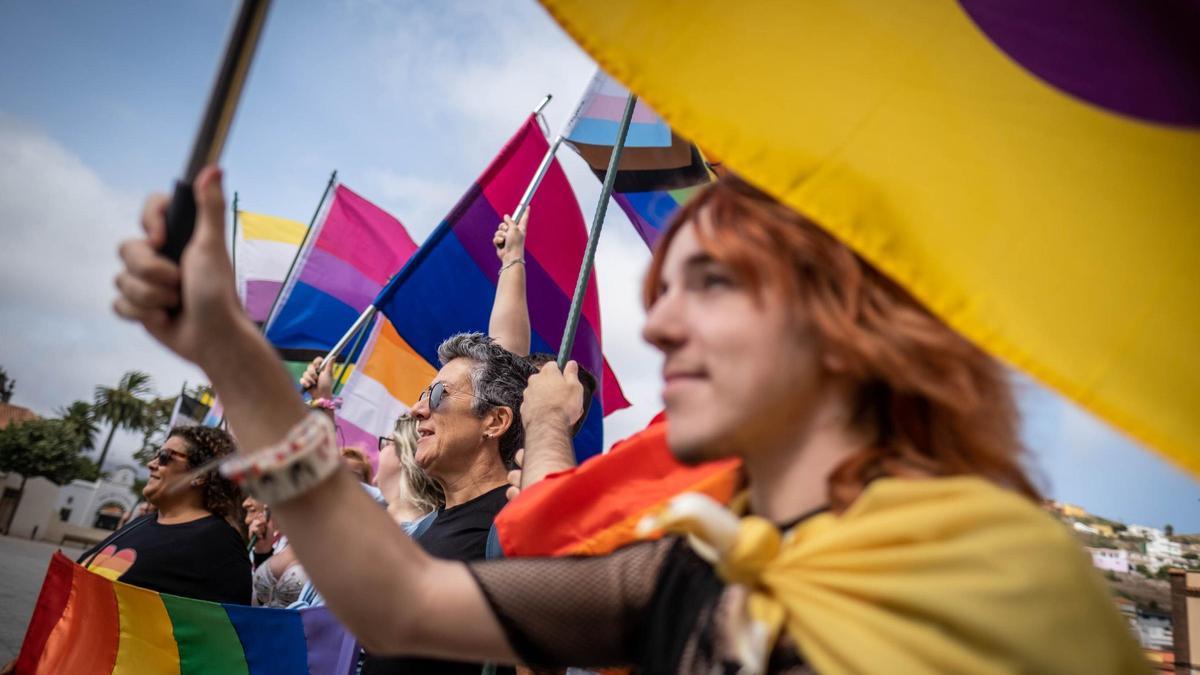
x,y
1155,630
1164,548
1148,533
1110,559
25,518
99,504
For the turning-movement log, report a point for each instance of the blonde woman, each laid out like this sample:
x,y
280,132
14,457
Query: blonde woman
x,y
410,493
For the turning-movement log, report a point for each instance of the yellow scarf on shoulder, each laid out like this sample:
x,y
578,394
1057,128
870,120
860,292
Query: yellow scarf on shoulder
x,y
948,575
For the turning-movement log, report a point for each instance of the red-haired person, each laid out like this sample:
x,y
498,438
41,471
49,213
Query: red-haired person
x,y
887,524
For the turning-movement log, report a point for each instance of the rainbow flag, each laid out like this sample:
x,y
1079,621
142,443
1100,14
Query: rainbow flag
x,y
86,624
595,508
449,286
659,170
263,250
353,250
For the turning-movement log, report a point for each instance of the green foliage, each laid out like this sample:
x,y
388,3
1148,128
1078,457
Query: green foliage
x,y
45,447
1119,527
122,406
1169,530
154,427
6,386
79,419
1142,570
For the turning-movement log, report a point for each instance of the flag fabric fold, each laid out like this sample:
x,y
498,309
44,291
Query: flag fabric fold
x,y
86,624
1029,173
595,508
450,283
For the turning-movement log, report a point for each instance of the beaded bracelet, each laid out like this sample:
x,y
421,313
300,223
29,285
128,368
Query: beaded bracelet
x,y
301,461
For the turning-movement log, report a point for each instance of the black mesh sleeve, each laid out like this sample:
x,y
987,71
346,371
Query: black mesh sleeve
x,y
574,611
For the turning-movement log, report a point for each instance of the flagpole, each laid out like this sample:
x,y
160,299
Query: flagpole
x,y
341,377
292,267
233,248
589,255
547,160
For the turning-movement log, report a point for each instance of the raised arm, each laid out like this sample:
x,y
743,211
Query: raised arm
x,y
550,407
384,588
509,324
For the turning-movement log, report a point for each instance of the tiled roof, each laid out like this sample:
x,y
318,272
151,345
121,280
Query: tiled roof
x,y
14,413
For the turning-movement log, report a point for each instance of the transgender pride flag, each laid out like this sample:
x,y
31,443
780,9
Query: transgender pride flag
x,y
347,259
450,284
659,170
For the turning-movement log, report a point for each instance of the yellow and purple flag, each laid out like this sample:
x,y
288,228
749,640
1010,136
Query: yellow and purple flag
x,y
1027,169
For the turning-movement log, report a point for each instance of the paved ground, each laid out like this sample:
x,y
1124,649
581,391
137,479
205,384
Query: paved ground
x,y
22,568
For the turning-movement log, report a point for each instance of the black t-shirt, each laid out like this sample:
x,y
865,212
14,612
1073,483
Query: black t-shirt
x,y
458,533
203,559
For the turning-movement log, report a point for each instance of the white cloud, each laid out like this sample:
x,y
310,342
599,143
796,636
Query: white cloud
x,y
420,203
61,225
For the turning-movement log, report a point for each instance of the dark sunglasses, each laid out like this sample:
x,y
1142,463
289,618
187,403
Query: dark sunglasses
x,y
165,456
436,393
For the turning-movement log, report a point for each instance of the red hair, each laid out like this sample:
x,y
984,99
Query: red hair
x,y
939,405
359,464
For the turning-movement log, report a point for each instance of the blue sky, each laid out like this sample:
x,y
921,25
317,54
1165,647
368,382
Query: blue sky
x,y
408,101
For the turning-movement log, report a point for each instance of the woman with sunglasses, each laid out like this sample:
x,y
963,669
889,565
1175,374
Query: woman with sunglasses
x,y
193,544
887,526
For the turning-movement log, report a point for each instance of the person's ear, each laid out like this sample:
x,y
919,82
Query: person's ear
x,y
497,421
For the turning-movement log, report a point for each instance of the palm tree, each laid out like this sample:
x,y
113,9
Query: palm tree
x,y
122,406
79,419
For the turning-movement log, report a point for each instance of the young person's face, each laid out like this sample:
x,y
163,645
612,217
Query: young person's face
x,y
740,369
450,436
165,468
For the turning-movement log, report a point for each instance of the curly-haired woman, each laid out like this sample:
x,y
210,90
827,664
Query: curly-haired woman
x,y
193,545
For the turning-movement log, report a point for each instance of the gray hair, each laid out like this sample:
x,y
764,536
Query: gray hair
x,y
498,377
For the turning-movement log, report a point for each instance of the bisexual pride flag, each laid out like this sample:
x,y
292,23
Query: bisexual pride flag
x,y
353,250
87,624
659,170
450,283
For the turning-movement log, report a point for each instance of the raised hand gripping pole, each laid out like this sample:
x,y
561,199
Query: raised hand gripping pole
x,y
214,125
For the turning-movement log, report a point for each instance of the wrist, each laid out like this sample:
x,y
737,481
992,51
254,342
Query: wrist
x,y
548,421
214,351
512,260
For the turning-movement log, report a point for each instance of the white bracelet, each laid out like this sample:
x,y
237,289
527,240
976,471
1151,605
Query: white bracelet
x,y
511,263
301,461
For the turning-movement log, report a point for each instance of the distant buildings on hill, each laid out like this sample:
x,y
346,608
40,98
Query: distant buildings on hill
x,y
1155,576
